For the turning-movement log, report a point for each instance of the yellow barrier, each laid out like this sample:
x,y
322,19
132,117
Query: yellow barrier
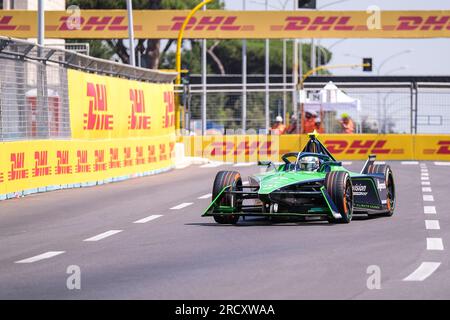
x,y
34,164
219,24
120,128
343,147
432,147
104,107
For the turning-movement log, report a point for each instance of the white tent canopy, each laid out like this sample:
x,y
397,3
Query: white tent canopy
x,y
331,98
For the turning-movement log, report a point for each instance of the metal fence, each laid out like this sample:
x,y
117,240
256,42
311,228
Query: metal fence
x,y
402,107
34,89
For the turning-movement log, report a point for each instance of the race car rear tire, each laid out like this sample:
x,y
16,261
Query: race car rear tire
x,y
223,179
390,185
339,187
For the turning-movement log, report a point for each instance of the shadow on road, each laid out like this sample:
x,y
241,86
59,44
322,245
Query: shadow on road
x,y
258,222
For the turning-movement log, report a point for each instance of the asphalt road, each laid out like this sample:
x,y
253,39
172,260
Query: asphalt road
x,y
176,254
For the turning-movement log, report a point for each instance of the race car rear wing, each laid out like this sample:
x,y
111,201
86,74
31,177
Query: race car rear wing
x,y
369,161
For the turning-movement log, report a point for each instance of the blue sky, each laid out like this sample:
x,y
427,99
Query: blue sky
x,y
427,56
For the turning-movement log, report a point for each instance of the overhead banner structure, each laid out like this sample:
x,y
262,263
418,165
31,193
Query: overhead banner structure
x,y
219,24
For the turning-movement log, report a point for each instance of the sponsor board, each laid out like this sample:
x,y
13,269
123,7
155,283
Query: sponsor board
x,y
103,107
28,165
219,24
251,148
432,147
360,146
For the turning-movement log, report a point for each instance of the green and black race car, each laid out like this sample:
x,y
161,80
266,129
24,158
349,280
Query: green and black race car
x,y
309,183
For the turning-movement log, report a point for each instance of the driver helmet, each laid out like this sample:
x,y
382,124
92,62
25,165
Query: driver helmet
x,y
309,163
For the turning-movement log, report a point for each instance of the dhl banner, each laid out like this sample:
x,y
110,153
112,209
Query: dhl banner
x,y
103,107
343,147
432,147
218,24
44,164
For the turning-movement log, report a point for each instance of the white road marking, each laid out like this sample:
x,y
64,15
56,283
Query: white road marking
x,y
425,270
426,189
435,244
428,197
429,210
437,163
424,178
212,165
425,183
103,235
206,196
347,163
244,164
149,218
181,206
424,170
410,162
425,174
432,225
380,162
46,255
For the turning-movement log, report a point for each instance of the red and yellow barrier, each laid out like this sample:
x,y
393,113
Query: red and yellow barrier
x,y
104,107
30,165
120,128
343,147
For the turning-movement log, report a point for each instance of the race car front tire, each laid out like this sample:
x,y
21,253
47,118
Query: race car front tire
x,y
222,180
339,186
390,185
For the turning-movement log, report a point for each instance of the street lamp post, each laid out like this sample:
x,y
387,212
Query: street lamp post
x,y
382,64
178,54
131,32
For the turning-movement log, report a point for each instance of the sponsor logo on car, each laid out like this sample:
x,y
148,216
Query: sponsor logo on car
x,y
359,190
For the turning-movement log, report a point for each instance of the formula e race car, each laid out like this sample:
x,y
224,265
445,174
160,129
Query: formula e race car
x,y
307,184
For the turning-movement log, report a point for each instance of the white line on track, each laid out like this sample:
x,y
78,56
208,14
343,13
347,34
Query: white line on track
x,y
425,270
244,164
425,178
410,162
426,189
432,225
425,174
429,209
181,206
206,196
212,165
46,255
428,197
380,162
347,163
103,235
435,244
437,163
425,183
424,170
149,218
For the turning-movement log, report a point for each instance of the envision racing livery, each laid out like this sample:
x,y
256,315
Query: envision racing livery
x,y
307,184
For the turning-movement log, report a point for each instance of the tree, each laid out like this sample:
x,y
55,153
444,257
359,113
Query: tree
x,y
225,57
148,49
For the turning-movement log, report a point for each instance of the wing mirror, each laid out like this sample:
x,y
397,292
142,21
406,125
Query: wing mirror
x,y
268,164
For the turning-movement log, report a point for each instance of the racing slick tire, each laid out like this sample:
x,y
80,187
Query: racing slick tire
x,y
223,179
339,187
390,185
